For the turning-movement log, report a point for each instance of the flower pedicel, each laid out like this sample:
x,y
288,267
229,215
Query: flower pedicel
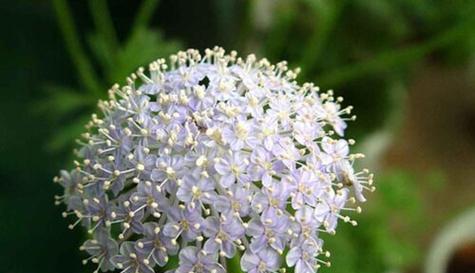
x,y
216,158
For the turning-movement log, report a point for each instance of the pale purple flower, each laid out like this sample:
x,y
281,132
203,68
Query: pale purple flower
x,y
192,259
155,244
130,261
223,88
70,182
306,221
183,222
96,212
338,150
195,192
143,161
102,248
305,132
281,109
264,166
184,77
200,100
286,152
332,115
129,215
357,181
239,135
269,133
232,168
236,203
150,196
305,188
272,200
209,157
303,257
266,260
167,168
222,234
268,234
328,212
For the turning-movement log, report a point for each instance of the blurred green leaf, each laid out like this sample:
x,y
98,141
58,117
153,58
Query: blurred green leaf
x,y
116,60
233,265
64,136
398,23
101,52
392,58
141,48
344,253
326,14
104,25
380,242
61,101
172,264
83,66
143,15
278,35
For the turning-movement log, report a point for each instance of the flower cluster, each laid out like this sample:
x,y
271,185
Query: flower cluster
x,y
214,158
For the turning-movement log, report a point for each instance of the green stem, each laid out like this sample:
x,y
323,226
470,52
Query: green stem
x,y
390,59
102,20
324,24
278,37
233,265
144,15
226,18
246,27
69,32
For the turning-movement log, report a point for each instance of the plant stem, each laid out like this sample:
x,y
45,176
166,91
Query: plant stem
x,y
390,59
233,265
326,14
102,20
144,15
245,27
69,32
226,21
277,40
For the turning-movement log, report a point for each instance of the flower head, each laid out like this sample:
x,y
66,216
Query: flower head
x,y
209,157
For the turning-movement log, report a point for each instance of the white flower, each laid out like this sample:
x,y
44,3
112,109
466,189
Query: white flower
x,y
215,156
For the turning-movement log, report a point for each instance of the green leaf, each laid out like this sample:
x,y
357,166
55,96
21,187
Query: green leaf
x,y
80,59
326,16
233,265
144,15
103,22
61,101
67,134
344,251
103,55
142,48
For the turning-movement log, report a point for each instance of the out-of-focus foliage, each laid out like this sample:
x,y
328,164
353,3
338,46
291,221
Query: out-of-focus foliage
x,y
113,61
361,48
388,229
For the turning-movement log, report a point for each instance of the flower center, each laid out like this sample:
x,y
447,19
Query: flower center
x,y
241,131
235,169
196,192
261,267
236,206
185,225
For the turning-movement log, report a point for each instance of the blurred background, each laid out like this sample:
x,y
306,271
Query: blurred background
x,y
408,67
